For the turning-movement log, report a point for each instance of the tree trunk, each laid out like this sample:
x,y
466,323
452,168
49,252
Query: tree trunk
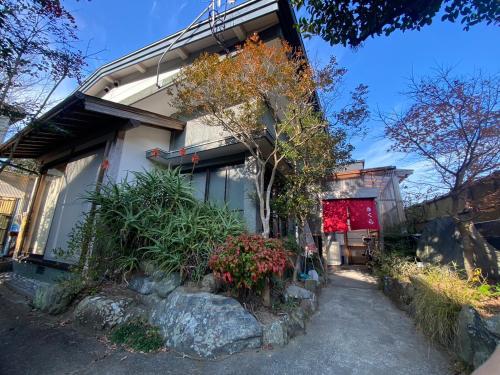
x,y
464,228
266,294
301,243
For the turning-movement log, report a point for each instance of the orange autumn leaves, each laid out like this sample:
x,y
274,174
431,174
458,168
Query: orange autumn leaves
x,y
256,77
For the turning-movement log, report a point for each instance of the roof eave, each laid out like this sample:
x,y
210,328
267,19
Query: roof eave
x,y
234,17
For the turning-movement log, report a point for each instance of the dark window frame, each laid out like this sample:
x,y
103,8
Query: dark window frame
x,y
212,169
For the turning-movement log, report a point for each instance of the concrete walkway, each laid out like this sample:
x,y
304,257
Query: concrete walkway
x,y
356,331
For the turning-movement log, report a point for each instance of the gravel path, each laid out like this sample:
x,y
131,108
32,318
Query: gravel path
x,y
356,331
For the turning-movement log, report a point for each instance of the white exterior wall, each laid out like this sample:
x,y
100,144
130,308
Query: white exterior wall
x,y
133,84
132,150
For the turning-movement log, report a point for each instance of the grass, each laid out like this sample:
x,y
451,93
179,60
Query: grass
x,y
399,268
439,293
138,336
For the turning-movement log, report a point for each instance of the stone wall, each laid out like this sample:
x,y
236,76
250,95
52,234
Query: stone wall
x,y
441,243
193,319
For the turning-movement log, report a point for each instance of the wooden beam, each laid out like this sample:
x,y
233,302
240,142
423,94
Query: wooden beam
x,y
140,68
240,33
109,79
182,53
131,113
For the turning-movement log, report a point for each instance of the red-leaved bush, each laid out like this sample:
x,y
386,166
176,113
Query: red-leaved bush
x,y
244,262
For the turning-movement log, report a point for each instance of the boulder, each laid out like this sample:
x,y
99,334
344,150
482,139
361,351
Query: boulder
x,y
53,298
5,265
210,283
441,242
296,322
103,312
400,292
141,284
205,324
296,292
475,342
309,306
275,333
165,285
160,283
493,324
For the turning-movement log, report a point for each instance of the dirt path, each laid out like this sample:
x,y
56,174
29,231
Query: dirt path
x,y
356,331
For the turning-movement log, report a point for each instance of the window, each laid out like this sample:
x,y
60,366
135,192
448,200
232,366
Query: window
x,y
221,185
235,188
217,186
198,183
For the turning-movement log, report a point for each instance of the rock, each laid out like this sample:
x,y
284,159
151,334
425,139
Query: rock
x,y
440,242
147,267
493,324
159,275
275,333
5,265
53,298
296,323
159,283
313,275
474,341
141,284
401,293
210,283
163,287
309,306
102,312
205,324
311,285
296,292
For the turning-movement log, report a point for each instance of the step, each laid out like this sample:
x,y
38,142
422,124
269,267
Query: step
x,y
20,284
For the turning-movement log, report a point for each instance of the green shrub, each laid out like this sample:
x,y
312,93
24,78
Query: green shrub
x,y
489,291
246,261
154,217
137,336
399,268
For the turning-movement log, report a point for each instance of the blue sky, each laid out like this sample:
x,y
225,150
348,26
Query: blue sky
x,y
118,27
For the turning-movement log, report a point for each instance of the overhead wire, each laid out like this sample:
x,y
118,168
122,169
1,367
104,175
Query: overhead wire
x,y
217,25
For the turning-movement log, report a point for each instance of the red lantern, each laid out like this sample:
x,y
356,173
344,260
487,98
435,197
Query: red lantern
x,y
182,151
105,164
195,158
155,152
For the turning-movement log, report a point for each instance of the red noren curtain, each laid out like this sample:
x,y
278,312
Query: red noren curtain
x,y
362,214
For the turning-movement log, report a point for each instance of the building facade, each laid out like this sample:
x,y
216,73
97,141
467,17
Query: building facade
x,y
122,119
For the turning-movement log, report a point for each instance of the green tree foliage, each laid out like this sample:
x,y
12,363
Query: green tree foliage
x,y
350,23
270,90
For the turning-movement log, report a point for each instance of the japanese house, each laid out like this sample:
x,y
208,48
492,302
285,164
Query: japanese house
x,y
119,121
359,205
